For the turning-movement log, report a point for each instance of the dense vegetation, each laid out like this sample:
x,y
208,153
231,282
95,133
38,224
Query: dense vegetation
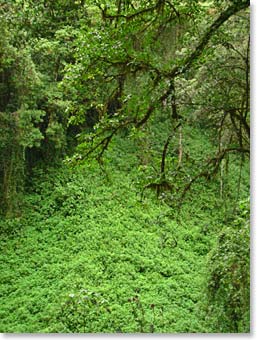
x,y
124,169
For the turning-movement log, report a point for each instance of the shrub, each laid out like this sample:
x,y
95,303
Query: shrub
x,y
228,290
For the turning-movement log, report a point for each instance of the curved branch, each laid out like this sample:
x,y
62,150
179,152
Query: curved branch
x,y
213,162
128,17
177,70
224,16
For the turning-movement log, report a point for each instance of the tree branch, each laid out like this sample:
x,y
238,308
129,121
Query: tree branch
x,y
165,149
224,16
177,70
215,163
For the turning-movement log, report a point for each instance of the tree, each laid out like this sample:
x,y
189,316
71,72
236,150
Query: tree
x,y
18,118
124,73
35,43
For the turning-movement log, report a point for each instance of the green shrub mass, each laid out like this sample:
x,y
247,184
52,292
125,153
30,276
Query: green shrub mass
x,y
88,238
90,255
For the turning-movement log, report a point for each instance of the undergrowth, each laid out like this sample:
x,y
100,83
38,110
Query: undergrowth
x,y
90,254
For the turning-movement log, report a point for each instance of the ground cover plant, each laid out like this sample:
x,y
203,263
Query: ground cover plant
x,y
95,257
102,243
124,168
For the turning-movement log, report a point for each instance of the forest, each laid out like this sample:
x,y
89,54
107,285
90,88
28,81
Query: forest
x,y
125,166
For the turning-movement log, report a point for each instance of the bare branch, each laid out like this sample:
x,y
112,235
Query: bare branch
x,y
211,167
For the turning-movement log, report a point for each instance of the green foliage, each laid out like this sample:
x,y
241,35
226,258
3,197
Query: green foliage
x,y
19,121
19,134
126,81
229,276
94,234
88,229
124,241
81,310
33,50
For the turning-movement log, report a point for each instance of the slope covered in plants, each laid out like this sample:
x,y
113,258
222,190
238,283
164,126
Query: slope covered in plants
x,y
92,255
124,166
